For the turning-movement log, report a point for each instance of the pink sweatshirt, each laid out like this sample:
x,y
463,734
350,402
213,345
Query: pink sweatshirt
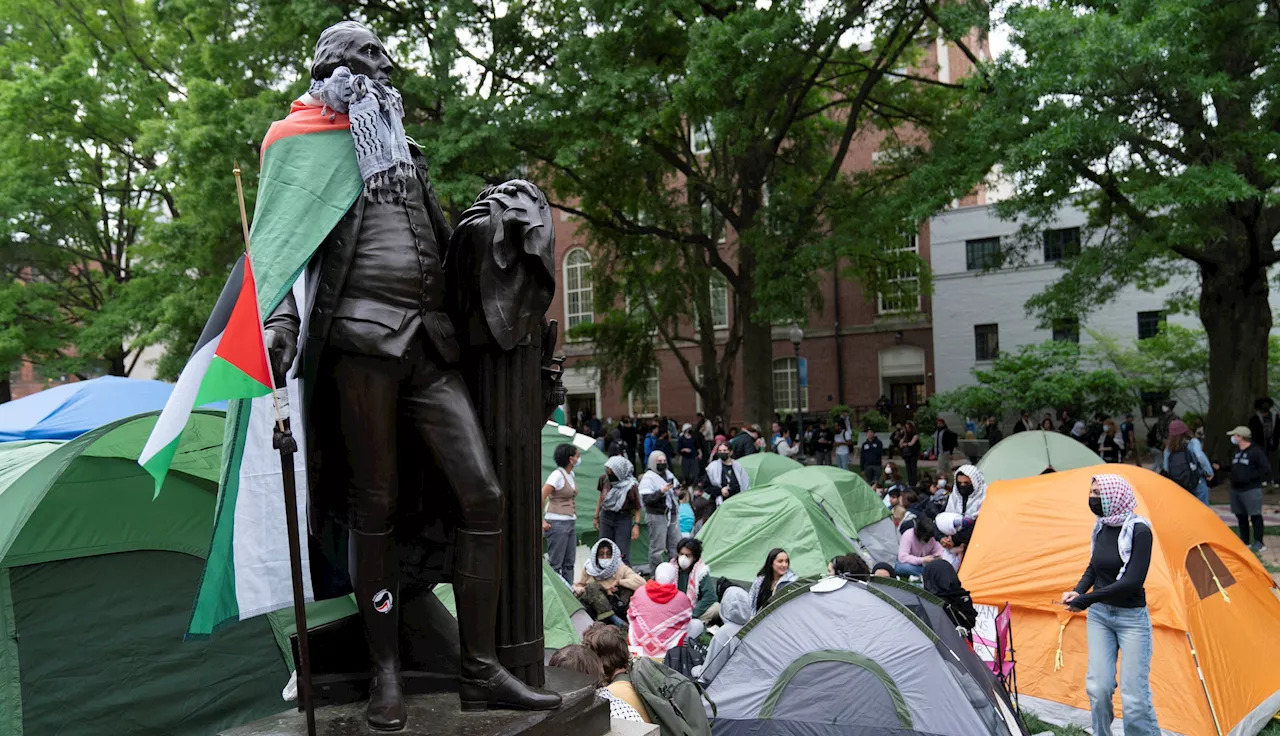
x,y
912,552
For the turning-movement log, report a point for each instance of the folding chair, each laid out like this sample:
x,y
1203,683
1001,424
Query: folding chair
x,y
1004,666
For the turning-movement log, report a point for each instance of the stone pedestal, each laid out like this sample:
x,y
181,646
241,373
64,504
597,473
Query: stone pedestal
x,y
582,714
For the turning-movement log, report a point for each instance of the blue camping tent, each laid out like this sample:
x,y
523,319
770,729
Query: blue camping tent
x,y
68,411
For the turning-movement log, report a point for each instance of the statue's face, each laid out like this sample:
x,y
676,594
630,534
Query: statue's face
x,y
366,55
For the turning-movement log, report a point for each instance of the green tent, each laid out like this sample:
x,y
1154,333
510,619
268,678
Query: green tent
x,y
856,510
738,536
587,473
96,584
559,606
763,467
1026,454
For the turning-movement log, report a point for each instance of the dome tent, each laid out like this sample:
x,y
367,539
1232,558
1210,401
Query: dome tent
x,y
1215,611
68,411
738,536
845,658
856,510
1028,454
763,467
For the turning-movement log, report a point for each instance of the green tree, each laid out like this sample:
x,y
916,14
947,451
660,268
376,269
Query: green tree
x,y
1159,118
1051,375
1173,362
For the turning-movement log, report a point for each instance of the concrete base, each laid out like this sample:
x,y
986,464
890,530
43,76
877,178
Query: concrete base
x,y
582,714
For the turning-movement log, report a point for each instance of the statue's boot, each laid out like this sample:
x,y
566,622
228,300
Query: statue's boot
x,y
375,580
485,683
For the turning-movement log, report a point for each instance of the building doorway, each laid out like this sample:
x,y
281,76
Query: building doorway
x,y
904,399
579,406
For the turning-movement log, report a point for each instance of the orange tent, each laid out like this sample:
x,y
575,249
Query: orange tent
x,y
1214,608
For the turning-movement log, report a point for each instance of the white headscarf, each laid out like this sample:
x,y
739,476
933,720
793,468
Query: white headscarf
x,y
956,503
666,574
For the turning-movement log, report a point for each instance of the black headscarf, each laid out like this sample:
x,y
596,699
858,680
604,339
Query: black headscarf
x,y
940,579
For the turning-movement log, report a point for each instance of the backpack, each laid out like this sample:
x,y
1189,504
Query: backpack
x,y
685,657
1182,470
674,701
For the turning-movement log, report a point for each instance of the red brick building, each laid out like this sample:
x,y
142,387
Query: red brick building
x,y
855,349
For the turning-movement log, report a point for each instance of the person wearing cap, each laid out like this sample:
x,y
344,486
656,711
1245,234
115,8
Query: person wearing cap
x,y
1263,426
1185,462
1249,470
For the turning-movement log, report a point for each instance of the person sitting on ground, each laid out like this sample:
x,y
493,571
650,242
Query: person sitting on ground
x,y
735,611
941,580
851,566
917,548
685,513
882,570
970,491
703,507
776,573
606,584
695,577
610,645
660,613
725,476
578,658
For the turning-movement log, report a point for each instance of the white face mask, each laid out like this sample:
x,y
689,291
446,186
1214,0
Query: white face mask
x,y
887,470
603,561
1235,440
685,562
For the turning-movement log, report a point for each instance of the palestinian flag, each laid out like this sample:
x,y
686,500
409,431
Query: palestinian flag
x,y
229,362
308,180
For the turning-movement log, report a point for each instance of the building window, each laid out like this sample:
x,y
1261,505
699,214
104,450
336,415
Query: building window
x,y
713,224
901,282
1060,244
1066,330
719,301
785,379
702,138
644,399
1149,324
986,342
982,254
577,288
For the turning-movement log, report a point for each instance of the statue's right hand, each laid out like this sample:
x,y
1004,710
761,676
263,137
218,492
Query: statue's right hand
x,y
282,348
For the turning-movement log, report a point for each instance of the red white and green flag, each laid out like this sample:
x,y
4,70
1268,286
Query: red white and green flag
x,y
307,181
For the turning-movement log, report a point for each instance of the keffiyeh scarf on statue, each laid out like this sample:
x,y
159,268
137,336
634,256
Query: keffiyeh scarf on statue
x,y
1118,503
377,127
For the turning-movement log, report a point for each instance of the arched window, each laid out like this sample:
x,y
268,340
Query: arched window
x,y
785,379
577,288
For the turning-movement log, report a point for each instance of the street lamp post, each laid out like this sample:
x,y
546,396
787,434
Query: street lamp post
x,y
796,335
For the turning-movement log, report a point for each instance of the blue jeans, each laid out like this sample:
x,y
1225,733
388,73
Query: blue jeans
x,y
1112,630
842,461
1202,491
904,569
562,547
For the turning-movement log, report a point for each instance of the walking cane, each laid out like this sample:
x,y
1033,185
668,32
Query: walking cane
x,y
282,440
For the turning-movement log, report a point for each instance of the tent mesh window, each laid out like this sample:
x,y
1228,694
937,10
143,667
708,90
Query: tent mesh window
x,y
1207,572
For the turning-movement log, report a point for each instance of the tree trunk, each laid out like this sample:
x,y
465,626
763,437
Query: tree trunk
x,y
116,366
757,351
1236,314
6,391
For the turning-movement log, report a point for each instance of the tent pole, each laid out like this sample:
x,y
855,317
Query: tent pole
x,y
1196,658
283,441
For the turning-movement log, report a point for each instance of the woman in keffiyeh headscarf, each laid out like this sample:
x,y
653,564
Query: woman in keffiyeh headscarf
x,y
606,583
1118,617
969,492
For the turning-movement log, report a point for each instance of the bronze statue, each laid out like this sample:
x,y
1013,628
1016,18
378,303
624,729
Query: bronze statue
x,y
404,492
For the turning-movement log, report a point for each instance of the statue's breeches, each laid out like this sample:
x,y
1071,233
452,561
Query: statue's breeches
x,y
372,394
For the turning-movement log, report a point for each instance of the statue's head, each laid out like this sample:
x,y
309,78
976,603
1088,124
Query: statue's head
x,y
354,46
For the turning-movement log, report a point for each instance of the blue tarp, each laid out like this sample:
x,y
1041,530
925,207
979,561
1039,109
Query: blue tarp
x,y
68,411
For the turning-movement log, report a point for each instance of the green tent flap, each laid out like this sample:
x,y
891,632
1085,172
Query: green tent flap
x,y
763,467
558,605
1028,454
843,494
739,535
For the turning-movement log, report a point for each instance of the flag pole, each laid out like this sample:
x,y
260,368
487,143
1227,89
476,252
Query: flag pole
x,y
282,440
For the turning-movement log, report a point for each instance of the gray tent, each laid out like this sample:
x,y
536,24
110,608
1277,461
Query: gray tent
x,y
845,658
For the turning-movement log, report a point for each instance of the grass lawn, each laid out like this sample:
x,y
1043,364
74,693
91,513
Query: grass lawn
x,y
1035,725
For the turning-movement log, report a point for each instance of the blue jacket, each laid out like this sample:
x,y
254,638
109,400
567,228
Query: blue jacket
x,y
1197,455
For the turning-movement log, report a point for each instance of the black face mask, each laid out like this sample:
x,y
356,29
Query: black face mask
x,y
661,468
964,489
724,457
1095,505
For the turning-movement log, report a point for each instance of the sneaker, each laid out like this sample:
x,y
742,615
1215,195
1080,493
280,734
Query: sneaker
x,y
1258,547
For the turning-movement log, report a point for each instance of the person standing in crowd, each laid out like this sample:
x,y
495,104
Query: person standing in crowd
x,y
690,467
735,612
659,615
1046,424
694,577
651,440
1080,434
787,447
895,440
775,433
631,436
992,434
658,495
970,491
941,579
664,444
844,441
606,583
944,443
745,442
1249,470
1159,432
1025,423
705,427
824,442
618,508
610,645
559,523
917,548
909,445
1129,437
1263,426
869,457
1110,444
775,574
1118,619
578,658
726,477
1185,462
883,406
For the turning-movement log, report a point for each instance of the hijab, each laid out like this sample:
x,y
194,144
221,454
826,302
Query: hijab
x,y
1118,504
625,476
